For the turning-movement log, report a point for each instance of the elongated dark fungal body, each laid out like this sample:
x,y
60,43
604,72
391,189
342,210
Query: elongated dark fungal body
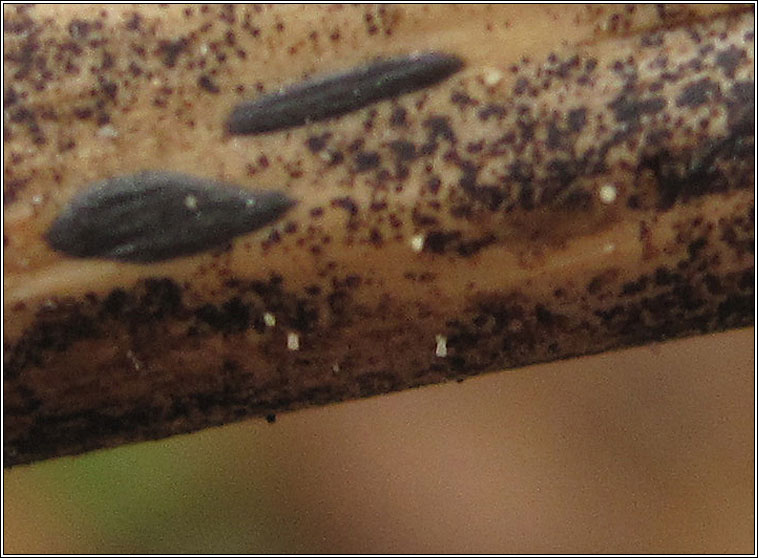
x,y
155,215
341,93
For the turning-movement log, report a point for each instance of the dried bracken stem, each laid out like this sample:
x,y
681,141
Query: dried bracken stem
x,y
572,189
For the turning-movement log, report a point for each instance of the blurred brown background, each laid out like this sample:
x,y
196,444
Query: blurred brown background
x,y
644,450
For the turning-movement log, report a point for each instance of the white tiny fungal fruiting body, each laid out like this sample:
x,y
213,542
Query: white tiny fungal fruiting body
x,y
607,193
417,242
190,202
269,319
441,349
608,248
492,77
134,360
293,341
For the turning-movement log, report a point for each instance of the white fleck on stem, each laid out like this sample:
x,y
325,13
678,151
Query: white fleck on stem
x,y
269,319
293,341
441,349
417,242
607,193
492,77
190,202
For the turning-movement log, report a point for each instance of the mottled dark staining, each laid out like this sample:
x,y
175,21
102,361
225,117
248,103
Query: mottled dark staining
x,y
154,216
336,95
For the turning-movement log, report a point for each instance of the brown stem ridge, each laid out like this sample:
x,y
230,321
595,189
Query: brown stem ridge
x,y
582,182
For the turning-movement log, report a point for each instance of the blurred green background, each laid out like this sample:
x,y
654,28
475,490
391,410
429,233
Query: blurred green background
x,y
643,450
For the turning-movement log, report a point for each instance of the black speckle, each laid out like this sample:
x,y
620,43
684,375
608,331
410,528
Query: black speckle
x,y
652,40
398,118
404,150
134,22
498,111
438,241
462,100
367,160
9,97
728,60
347,204
698,93
577,119
694,247
170,50
439,127
232,316
317,143
79,29
626,109
208,84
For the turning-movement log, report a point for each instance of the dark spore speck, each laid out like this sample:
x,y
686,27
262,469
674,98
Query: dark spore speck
x,y
367,160
697,93
208,84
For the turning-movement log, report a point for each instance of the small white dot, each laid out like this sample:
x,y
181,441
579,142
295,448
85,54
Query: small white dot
x,y
441,350
36,200
336,368
417,242
608,248
250,202
190,202
269,319
492,77
607,193
293,341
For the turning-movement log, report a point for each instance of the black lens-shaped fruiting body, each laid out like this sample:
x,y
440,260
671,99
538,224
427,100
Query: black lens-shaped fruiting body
x,y
338,94
154,216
